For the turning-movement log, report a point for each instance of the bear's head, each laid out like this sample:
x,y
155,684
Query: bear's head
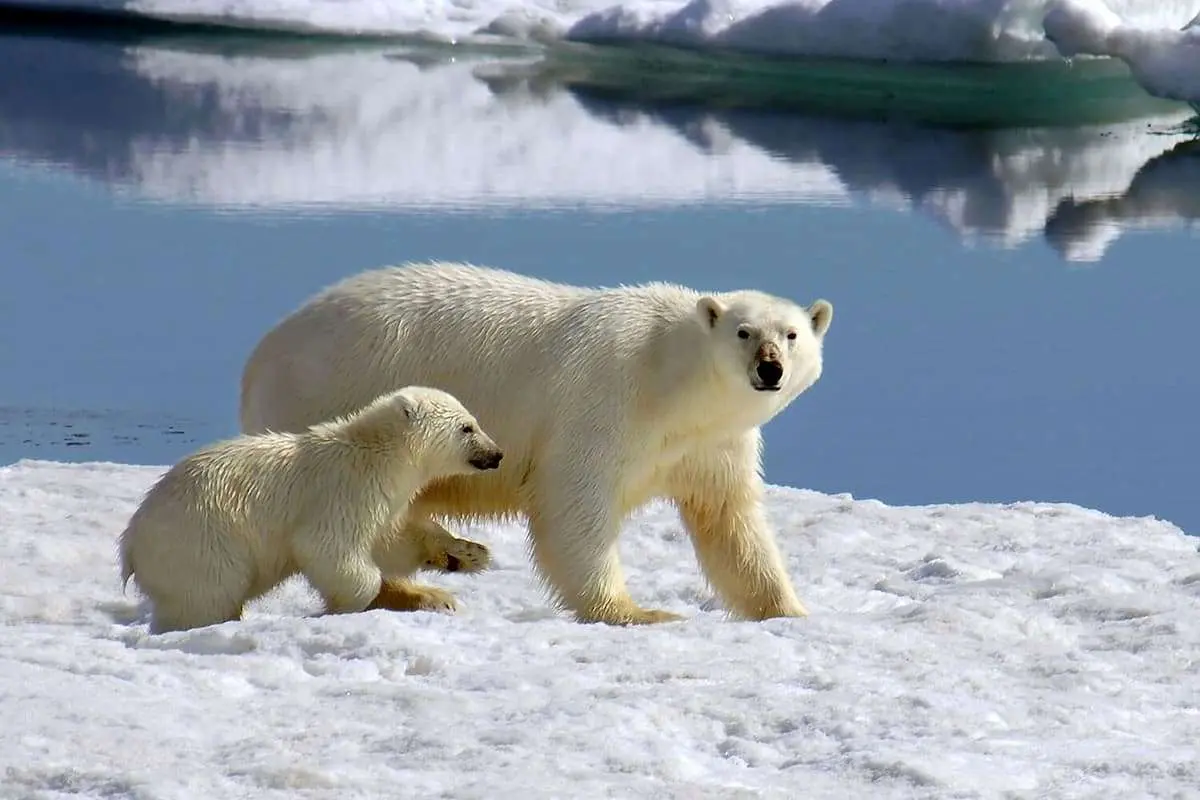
x,y
443,435
766,347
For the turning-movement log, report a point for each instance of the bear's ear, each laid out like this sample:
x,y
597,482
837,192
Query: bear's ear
x,y
821,314
710,310
405,405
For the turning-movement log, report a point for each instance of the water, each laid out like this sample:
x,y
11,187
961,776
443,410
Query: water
x,y
1014,304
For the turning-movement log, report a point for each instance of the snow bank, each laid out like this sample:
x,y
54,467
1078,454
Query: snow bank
x,y
962,650
917,30
941,30
1164,60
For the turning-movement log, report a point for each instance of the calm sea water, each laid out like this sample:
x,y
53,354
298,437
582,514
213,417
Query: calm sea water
x,y
1015,305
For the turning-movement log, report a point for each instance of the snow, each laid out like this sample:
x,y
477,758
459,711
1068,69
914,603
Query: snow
x,y
1022,650
941,30
938,30
1166,62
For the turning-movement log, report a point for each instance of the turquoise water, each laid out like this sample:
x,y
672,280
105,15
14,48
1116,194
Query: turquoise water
x,y
1014,305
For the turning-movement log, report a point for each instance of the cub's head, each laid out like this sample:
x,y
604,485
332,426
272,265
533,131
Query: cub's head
x,y
766,346
443,435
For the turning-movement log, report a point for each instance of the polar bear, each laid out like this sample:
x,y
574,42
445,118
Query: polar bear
x,y
234,519
604,399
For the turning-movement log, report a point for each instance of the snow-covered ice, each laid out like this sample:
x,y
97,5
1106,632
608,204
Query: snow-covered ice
x,y
1024,650
929,30
1164,60
941,30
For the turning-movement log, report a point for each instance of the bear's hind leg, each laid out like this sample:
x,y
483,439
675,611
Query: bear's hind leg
x,y
195,591
175,614
719,497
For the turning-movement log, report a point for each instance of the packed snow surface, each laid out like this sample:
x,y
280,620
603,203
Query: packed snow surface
x,y
1024,650
954,30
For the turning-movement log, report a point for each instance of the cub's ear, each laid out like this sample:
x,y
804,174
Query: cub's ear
x,y
405,405
821,314
710,310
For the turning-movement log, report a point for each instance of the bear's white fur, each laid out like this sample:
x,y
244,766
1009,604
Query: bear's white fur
x,y
602,398
233,520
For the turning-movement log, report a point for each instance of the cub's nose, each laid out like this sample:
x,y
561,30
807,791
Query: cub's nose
x,y
769,372
489,459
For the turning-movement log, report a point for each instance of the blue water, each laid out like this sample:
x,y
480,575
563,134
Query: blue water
x,y
958,368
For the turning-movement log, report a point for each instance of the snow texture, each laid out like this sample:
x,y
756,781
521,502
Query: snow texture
x,y
937,30
954,651
1165,61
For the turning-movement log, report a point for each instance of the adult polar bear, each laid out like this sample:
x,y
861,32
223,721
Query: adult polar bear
x,y
603,399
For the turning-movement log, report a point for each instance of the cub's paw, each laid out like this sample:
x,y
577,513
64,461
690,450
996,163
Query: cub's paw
x,y
404,596
451,554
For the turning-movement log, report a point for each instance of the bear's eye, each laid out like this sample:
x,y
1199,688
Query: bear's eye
x,y
743,334
468,429
792,335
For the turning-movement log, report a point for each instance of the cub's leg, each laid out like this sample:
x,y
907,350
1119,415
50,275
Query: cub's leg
x,y
341,571
396,594
445,552
177,614
418,543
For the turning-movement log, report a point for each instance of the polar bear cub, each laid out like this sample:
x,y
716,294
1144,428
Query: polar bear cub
x,y
233,520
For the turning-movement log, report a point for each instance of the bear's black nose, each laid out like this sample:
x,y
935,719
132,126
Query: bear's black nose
x,y
769,372
488,460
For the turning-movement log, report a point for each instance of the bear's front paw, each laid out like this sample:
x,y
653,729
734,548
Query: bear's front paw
x,y
654,616
458,555
628,614
776,609
403,596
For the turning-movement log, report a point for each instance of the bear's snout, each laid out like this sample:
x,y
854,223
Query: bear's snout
x,y
767,351
486,459
768,369
769,373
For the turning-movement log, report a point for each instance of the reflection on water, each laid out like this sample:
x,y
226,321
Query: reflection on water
x,y
1165,193
295,128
